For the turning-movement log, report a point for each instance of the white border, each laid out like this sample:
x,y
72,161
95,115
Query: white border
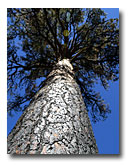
x,y
99,160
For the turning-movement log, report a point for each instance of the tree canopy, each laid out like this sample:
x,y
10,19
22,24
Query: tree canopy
x,y
38,38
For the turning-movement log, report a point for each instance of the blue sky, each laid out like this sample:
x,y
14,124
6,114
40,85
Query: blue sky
x,y
107,132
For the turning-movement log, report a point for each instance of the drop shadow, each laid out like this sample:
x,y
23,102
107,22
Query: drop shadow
x,y
62,156
121,76
98,156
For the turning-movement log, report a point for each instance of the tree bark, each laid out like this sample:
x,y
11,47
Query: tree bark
x,y
56,121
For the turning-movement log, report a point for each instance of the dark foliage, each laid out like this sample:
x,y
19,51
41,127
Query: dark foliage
x,y
36,42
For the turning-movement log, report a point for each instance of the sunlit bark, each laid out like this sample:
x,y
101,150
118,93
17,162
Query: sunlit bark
x,y
56,121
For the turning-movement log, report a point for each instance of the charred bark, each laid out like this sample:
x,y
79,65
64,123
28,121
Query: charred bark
x,y
56,121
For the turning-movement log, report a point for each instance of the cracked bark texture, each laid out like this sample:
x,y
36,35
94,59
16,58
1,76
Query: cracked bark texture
x,y
56,121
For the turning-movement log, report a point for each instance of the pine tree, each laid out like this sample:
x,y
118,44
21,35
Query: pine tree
x,y
55,56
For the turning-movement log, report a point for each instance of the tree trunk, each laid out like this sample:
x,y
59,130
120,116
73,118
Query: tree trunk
x,y
56,121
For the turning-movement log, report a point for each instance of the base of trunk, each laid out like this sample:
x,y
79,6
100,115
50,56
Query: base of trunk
x,y
56,122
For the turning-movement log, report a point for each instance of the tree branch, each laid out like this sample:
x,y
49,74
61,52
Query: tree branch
x,y
51,30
